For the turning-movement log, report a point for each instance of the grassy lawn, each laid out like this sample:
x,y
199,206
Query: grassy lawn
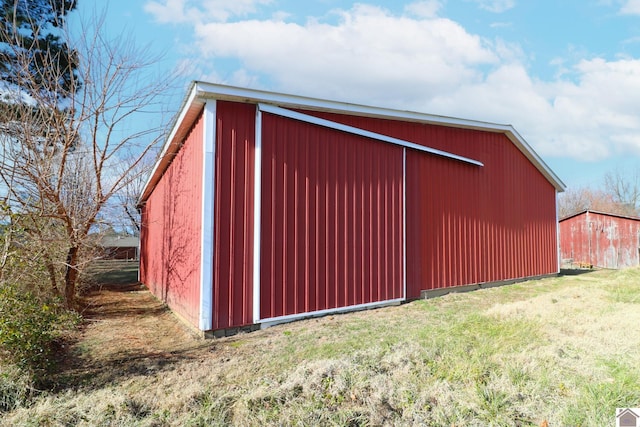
x,y
114,272
562,350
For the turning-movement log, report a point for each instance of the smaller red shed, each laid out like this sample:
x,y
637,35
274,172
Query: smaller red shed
x,y
600,239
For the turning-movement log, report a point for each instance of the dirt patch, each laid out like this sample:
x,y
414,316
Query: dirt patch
x,y
126,330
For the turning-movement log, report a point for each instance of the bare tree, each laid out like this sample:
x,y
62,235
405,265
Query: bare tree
x,y
619,195
624,187
64,157
126,199
579,199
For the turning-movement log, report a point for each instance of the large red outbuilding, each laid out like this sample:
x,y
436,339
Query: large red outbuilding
x,y
600,239
266,207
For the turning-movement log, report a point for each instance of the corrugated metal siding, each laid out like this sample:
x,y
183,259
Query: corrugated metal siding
x,y
170,243
475,225
600,240
468,224
233,225
574,240
331,219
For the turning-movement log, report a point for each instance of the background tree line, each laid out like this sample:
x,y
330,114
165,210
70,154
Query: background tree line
x,y
619,194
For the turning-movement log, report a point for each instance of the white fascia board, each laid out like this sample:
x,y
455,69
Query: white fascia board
x,y
559,257
190,102
207,228
257,210
404,222
239,94
362,132
184,110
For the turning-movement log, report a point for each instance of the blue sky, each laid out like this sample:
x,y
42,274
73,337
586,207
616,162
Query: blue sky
x,y
565,74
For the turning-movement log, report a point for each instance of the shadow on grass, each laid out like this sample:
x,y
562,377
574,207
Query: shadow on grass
x,y
110,347
575,271
78,374
119,351
111,310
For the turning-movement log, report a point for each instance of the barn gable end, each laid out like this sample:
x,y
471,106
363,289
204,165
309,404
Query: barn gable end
x,y
303,207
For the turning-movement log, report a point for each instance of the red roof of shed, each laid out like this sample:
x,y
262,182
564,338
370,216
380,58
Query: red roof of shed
x,y
633,218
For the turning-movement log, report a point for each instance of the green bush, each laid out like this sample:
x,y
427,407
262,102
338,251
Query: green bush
x,y
29,326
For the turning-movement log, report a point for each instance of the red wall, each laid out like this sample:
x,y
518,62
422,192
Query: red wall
x,y
331,219
468,224
600,240
171,228
233,225
478,224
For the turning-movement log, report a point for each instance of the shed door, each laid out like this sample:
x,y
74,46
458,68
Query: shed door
x,y
331,219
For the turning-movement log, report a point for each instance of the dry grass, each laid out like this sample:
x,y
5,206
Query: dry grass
x,y
562,350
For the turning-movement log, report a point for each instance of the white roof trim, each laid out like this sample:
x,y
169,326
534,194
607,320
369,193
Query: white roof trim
x,y
184,110
239,94
357,131
200,91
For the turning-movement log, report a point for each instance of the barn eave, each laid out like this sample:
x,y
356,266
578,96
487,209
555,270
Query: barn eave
x,y
199,92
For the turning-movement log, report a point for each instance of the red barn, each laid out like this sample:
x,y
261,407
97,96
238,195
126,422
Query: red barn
x,y
600,239
266,207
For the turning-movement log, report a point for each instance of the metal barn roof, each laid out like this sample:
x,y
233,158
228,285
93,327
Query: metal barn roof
x,y
199,92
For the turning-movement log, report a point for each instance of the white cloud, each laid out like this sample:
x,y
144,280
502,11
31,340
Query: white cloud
x,y
496,6
587,114
589,117
603,95
424,9
168,11
631,7
180,11
367,51
420,61
631,40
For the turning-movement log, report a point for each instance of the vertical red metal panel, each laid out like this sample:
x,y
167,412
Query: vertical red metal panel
x,y
170,236
233,222
331,219
469,224
601,240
